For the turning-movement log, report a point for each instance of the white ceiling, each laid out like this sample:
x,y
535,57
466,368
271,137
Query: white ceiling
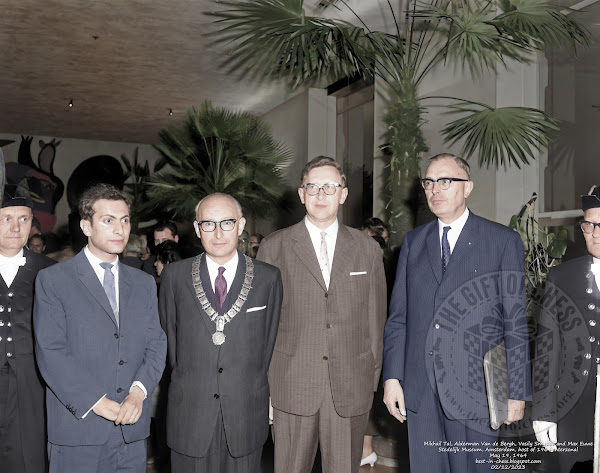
x,y
124,63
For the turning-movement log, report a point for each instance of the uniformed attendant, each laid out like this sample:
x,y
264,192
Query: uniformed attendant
x,y
568,351
22,419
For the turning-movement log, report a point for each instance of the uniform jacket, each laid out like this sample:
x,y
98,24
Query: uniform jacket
x,y
335,331
231,377
16,348
82,353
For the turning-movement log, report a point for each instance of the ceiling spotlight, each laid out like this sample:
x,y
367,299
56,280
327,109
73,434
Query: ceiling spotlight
x,y
70,103
171,112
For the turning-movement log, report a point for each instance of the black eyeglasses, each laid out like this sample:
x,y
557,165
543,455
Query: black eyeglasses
x,y
209,226
443,182
588,227
329,188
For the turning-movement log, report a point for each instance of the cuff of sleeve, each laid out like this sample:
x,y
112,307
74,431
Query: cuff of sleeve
x,y
91,408
139,385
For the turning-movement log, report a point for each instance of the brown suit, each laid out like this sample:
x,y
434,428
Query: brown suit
x,y
329,342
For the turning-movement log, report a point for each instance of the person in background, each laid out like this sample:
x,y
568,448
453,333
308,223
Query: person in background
x,y
254,240
99,346
167,252
243,242
377,227
132,253
22,415
162,231
36,227
37,243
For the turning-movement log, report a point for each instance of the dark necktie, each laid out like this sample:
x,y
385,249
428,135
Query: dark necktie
x,y
445,249
221,287
109,288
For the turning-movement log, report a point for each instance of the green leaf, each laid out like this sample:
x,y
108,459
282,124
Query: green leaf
x,y
501,136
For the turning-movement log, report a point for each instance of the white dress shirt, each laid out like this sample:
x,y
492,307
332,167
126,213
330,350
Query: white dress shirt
x,y
229,274
455,229
99,270
330,239
9,267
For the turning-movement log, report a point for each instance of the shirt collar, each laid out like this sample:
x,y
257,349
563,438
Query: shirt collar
x,y
94,260
230,266
457,225
314,230
8,258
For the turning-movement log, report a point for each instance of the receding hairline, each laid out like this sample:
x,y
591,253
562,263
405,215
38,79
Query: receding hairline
x,y
461,163
222,195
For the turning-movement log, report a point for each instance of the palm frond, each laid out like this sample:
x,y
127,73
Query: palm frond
x,y
501,136
536,23
219,150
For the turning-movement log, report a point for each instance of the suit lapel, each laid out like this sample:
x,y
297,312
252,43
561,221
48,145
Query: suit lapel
x,y
342,255
303,248
206,285
92,283
434,251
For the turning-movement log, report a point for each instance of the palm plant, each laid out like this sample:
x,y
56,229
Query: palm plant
x,y
217,150
278,38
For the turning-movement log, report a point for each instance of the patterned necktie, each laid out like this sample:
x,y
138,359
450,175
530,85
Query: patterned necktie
x,y
445,249
221,287
325,260
109,288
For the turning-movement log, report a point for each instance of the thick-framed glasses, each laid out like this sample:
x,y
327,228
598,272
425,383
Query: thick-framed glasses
x,y
588,227
209,226
443,182
313,189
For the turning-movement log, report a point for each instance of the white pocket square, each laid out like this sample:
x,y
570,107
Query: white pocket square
x,y
254,309
357,273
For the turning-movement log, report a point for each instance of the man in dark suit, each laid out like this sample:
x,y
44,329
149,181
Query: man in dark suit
x,y
459,291
22,417
220,311
568,352
327,358
99,346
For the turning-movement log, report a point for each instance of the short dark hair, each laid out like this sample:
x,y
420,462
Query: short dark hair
x,y
376,225
36,223
95,193
163,225
41,236
319,162
168,252
258,236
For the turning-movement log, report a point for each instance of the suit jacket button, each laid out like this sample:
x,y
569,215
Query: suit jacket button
x,y
116,336
431,353
119,390
328,325
9,339
326,295
220,370
121,362
216,396
325,358
9,354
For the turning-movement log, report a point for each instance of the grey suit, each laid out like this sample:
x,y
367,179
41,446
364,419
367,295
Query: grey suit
x,y
83,355
330,339
219,389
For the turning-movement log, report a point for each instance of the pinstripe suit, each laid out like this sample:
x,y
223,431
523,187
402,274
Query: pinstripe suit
x,y
434,318
329,342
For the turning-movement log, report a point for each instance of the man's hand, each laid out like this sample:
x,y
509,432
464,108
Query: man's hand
x,y
393,397
545,433
107,409
516,409
131,407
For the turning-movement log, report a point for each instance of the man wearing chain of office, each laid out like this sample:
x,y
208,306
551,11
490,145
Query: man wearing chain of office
x,y
220,311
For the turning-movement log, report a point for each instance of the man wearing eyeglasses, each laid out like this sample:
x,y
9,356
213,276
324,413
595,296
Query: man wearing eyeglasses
x,y
450,292
327,358
564,411
220,311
